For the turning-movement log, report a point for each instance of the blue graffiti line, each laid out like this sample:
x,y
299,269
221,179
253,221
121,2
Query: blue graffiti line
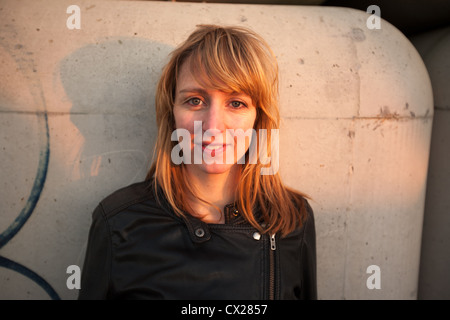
x,y
26,65
27,210
38,185
4,262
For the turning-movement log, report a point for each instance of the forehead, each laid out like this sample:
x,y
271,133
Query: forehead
x,y
192,73
186,77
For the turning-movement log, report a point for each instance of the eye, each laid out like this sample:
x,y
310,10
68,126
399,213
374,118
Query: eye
x,y
237,104
195,101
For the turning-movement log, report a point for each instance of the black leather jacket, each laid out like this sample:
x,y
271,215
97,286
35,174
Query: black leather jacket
x,y
139,249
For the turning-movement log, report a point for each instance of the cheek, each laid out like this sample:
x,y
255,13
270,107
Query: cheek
x,y
250,120
244,120
182,120
245,123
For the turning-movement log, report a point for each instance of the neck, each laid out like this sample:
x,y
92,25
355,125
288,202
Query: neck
x,y
217,189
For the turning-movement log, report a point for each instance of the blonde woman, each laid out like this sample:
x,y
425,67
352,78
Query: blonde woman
x,y
213,219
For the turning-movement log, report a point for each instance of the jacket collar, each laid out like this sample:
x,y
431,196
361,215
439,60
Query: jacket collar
x,y
198,230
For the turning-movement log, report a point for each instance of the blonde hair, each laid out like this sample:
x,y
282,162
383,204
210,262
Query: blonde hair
x,y
228,59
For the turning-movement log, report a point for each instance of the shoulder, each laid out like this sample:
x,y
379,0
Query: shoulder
x,y
304,209
300,200
128,196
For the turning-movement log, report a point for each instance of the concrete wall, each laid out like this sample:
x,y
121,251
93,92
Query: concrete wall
x,y
77,122
434,280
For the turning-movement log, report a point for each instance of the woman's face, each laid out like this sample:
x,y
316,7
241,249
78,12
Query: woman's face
x,y
213,119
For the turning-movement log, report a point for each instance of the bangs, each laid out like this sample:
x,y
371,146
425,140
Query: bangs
x,y
226,62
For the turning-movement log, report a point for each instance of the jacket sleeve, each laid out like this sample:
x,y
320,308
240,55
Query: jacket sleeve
x,y
308,256
95,275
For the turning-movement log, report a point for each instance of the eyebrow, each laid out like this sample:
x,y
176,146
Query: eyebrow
x,y
205,92
199,90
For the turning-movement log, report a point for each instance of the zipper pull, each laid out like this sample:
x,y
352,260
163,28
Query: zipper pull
x,y
273,245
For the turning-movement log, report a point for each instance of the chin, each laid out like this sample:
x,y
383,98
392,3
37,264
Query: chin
x,y
215,168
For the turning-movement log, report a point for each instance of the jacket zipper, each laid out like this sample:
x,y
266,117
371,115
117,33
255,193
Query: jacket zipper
x,y
273,247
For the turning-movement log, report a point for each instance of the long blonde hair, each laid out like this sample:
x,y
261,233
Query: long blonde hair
x,y
228,59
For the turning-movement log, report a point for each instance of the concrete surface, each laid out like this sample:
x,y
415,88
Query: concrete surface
x,y
434,280
77,122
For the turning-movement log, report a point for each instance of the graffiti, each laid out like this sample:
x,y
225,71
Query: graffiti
x,y
6,263
38,185
104,138
28,209
26,65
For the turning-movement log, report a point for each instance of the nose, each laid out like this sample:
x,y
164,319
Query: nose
x,y
213,119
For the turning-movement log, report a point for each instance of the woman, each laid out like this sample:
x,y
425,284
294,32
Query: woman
x,y
208,222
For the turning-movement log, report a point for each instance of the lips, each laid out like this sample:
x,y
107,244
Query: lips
x,y
213,149
212,146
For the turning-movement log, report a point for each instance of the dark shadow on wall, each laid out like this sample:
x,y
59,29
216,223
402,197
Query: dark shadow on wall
x,y
409,16
111,86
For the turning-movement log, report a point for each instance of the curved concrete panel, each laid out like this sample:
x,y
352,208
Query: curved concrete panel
x,y
434,280
77,123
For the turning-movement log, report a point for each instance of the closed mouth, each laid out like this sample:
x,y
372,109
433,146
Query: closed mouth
x,y
212,146
213,149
